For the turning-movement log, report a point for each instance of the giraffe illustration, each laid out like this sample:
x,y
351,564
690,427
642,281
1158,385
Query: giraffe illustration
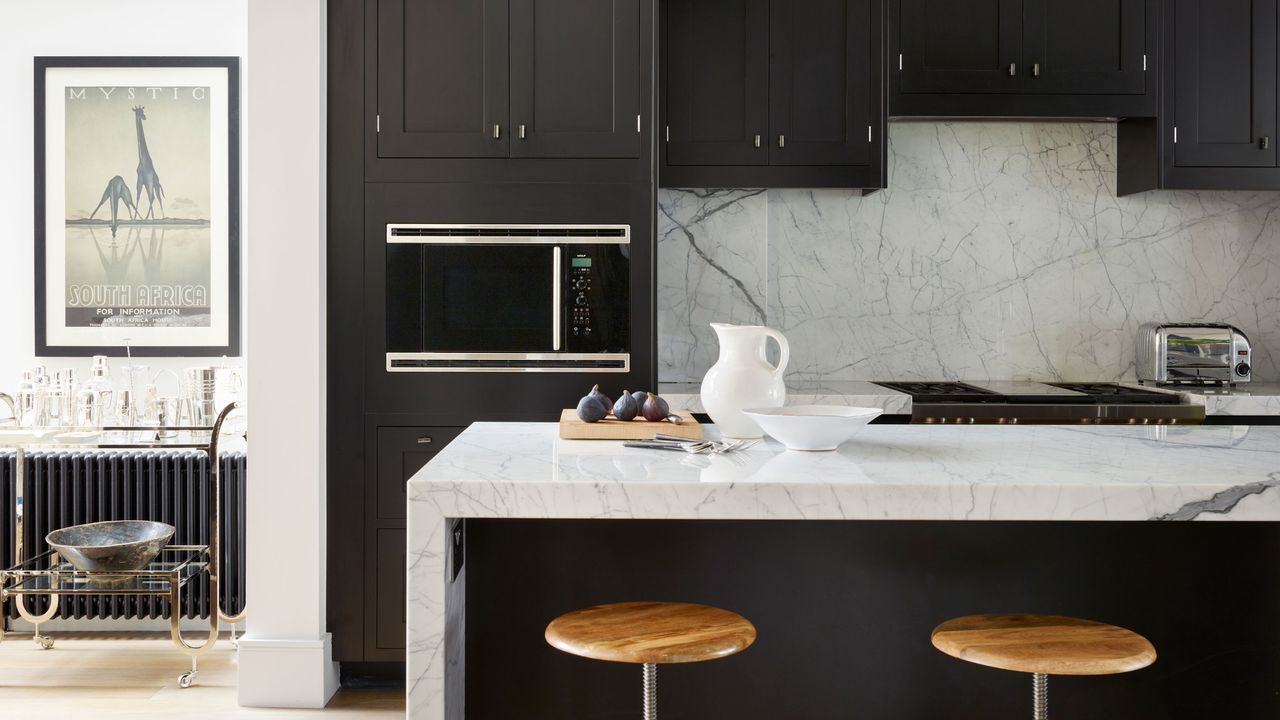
x,y
147,177
117,191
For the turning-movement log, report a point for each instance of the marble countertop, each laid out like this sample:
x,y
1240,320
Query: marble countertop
x,y
892,471
908,472
1259,398
1251,399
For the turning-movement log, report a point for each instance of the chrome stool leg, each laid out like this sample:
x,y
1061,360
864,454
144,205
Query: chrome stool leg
x,y
1040,696
650,691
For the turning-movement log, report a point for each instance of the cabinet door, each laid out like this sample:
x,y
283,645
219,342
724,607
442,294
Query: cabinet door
x,y
1085,47
820,82
960,46
575,86
389,590
402,451
717,82
442,79
1224,55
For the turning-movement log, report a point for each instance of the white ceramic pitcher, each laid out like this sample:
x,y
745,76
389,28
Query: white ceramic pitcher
x,y
743,378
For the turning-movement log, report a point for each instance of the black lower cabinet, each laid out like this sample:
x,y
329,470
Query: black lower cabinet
x,y
395,452
844,611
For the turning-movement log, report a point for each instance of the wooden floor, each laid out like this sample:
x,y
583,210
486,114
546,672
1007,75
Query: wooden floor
x,y
135,676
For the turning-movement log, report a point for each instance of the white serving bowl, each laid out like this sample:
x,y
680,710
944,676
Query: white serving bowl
x,y
814,428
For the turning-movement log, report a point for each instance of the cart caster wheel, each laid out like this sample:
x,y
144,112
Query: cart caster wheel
x,y
187,679
44,641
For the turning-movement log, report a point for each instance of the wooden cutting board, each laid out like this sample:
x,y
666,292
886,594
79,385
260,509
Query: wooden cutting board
x,y
571,428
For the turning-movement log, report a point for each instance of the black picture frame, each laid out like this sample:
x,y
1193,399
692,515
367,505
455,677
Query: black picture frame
x,y
233,346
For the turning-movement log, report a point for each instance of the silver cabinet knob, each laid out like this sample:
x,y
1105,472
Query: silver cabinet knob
x,y
757,141
520,131
497,131
782,141
1013,69
1035,70
1264,142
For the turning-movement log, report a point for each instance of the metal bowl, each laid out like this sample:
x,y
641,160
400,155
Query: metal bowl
x,y
112,546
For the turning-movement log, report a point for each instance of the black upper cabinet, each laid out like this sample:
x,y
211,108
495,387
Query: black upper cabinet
x,y
772,93
508,78
717,82
1085,47
960,46
1218,118
575,78
820,110
1016,58
442,78
1224,83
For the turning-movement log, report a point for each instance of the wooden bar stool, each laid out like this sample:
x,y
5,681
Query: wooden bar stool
x,y
651,634
1044,645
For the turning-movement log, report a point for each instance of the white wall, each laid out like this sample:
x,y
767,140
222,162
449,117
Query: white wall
x,y
81,27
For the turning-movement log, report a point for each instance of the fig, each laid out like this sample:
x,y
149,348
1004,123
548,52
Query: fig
x,y
655,409
626,408
640,396
590,410
601,398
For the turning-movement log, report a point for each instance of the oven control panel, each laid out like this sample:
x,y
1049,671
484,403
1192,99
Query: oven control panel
x,y
596,299
580,282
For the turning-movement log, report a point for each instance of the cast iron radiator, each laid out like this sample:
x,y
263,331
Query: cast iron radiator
x,y
70,488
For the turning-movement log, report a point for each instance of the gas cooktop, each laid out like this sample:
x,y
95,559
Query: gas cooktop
x,y
1043,403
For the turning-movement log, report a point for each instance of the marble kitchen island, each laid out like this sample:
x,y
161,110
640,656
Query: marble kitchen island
x,y
888,473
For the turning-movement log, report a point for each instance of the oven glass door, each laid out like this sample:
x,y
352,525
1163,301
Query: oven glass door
x,y
473,298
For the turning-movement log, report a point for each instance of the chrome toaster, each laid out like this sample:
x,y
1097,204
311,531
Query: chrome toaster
x,y
1200,353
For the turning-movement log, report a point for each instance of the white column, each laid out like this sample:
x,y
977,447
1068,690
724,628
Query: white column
x,y
285,657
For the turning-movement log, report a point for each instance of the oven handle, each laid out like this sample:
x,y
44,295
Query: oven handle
x,y
555,298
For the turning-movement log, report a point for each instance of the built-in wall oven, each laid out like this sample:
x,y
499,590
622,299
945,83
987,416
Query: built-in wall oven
x,y
508,298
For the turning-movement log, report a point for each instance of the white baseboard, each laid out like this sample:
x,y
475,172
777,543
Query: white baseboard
x,y
287,673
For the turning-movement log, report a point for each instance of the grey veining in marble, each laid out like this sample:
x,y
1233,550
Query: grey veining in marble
x,y
999,251
910,472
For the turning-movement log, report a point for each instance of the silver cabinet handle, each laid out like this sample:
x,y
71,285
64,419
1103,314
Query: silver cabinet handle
x,y
757,141
497,131
1264,143
520,130
782,141
424,440
1013,69
1035,70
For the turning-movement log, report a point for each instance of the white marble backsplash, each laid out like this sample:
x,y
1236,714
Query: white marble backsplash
x,y
1000,251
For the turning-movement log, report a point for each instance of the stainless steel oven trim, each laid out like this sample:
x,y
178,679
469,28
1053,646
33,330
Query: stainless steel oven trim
x,y
625,239
555,299
624,358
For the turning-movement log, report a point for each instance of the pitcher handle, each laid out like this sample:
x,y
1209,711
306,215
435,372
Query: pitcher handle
x,y
784,351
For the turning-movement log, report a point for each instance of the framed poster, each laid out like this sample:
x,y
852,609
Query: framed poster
x,y
137,206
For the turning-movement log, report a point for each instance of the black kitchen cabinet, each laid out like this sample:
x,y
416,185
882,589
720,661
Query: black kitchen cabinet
x,y
443,78
1085,47
397,452
772,93
820,96
1224,83
575,71
717,82
1218,124
508,78
959,46
1028,58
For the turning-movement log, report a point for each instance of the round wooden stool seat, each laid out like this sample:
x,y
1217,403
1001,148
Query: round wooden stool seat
x,y
652,633
1044,644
